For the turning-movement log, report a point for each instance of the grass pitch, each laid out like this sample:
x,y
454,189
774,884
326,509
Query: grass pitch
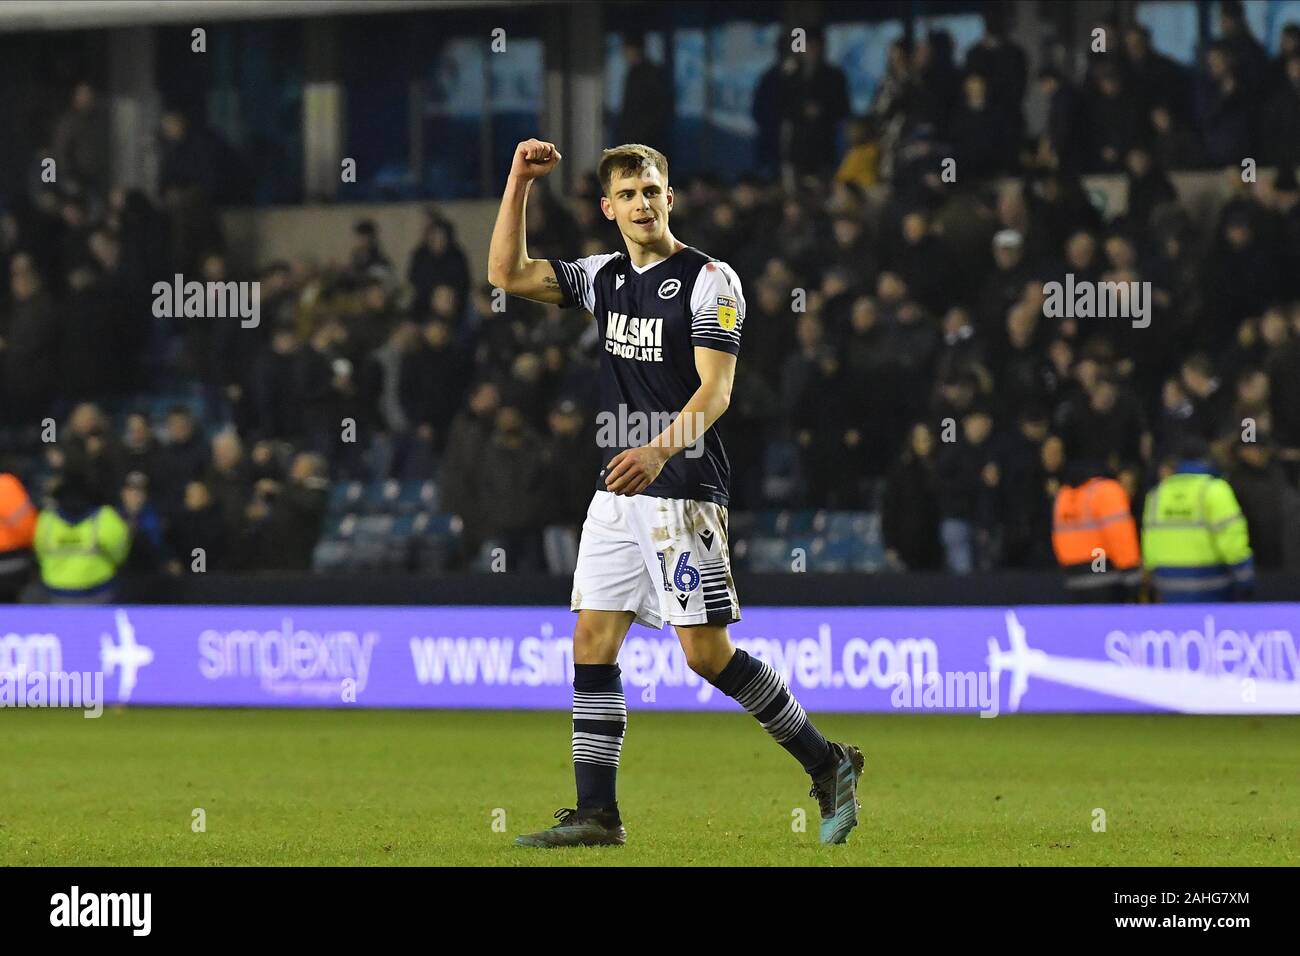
x,y
436,787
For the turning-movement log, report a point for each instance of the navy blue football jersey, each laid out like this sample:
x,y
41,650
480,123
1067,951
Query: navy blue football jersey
x,y
650,321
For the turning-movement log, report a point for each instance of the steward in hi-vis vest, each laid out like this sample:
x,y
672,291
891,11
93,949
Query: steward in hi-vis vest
x,y
1194,538
80,545
17,528
1095,537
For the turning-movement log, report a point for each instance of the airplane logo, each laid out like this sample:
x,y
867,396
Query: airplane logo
x,y
1177,690
128,655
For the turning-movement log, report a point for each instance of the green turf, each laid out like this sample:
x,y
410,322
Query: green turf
x,y
421,787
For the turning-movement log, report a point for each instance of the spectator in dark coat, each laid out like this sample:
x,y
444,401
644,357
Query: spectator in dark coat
x,y
139,450
80,143
512,490
1002,63
1236,39
926,264
191,171
910,509
182,459
824,426
326,387
1117,119
1149,186
199,527
1173,144
1270,504
462,466
1110,428
285,518
1239,278
367,260
1005,283
572,463
275,382
647,115
1211,403
87,369
438,260
1063,144
1282,144
229,481
769,109
1026,523
982,138
28,345
938,81
433,383
968,479
149,552
1226,110
1153,77
818,101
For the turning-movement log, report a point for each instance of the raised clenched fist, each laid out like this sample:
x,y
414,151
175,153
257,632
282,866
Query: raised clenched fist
x,y
534,159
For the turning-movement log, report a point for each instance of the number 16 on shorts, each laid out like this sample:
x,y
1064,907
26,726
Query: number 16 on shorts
x,y
685,577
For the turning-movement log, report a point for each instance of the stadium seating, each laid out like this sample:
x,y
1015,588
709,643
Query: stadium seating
x,y
392,526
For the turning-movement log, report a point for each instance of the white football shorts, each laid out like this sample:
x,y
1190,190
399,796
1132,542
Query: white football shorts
x,y
665,559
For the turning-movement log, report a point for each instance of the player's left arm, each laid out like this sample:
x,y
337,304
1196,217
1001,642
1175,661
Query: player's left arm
x,y
718,311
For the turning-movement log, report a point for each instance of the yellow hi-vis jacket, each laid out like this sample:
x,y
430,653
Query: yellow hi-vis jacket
x,y
80,556
1194,538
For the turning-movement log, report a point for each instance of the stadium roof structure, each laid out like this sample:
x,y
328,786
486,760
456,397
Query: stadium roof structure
x,y
26,15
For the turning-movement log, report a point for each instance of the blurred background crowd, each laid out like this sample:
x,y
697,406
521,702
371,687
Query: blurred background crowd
x,y
897,358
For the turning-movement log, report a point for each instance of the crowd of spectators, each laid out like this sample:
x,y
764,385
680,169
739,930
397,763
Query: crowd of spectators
x,y
896,356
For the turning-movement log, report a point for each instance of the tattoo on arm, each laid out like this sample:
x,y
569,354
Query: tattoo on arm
x,y
551,282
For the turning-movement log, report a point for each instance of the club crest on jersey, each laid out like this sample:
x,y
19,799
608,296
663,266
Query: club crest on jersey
x,y
669,288
727,312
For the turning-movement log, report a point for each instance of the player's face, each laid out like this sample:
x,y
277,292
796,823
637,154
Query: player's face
x,y
639,203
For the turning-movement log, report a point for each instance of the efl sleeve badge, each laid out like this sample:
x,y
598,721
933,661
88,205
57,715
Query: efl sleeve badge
x,y
727,312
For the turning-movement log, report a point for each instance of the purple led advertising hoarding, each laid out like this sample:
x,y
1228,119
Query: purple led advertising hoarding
x,y
1212,658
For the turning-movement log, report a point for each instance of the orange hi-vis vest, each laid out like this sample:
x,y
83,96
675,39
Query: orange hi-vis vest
x,y
17,515
1091,521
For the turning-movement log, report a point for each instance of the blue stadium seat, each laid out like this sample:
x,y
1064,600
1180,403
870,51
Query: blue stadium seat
x,y
740,525
417,496
331,555
374,527
432,523
381,496
437,540
768,555
345,496
837,525
781,471
764,522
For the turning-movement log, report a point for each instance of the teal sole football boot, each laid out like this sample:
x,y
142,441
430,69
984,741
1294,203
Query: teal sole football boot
x,y
837,793
578,828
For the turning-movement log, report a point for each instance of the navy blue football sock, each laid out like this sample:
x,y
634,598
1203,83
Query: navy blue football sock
x,y
762,692
599,720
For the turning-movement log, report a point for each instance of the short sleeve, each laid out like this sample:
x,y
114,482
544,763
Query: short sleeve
x,y
717,308
578,279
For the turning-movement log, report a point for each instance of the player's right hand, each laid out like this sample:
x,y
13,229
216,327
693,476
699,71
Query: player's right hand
x,y
534,159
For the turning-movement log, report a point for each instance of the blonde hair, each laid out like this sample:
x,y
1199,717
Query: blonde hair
x,y
629,158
